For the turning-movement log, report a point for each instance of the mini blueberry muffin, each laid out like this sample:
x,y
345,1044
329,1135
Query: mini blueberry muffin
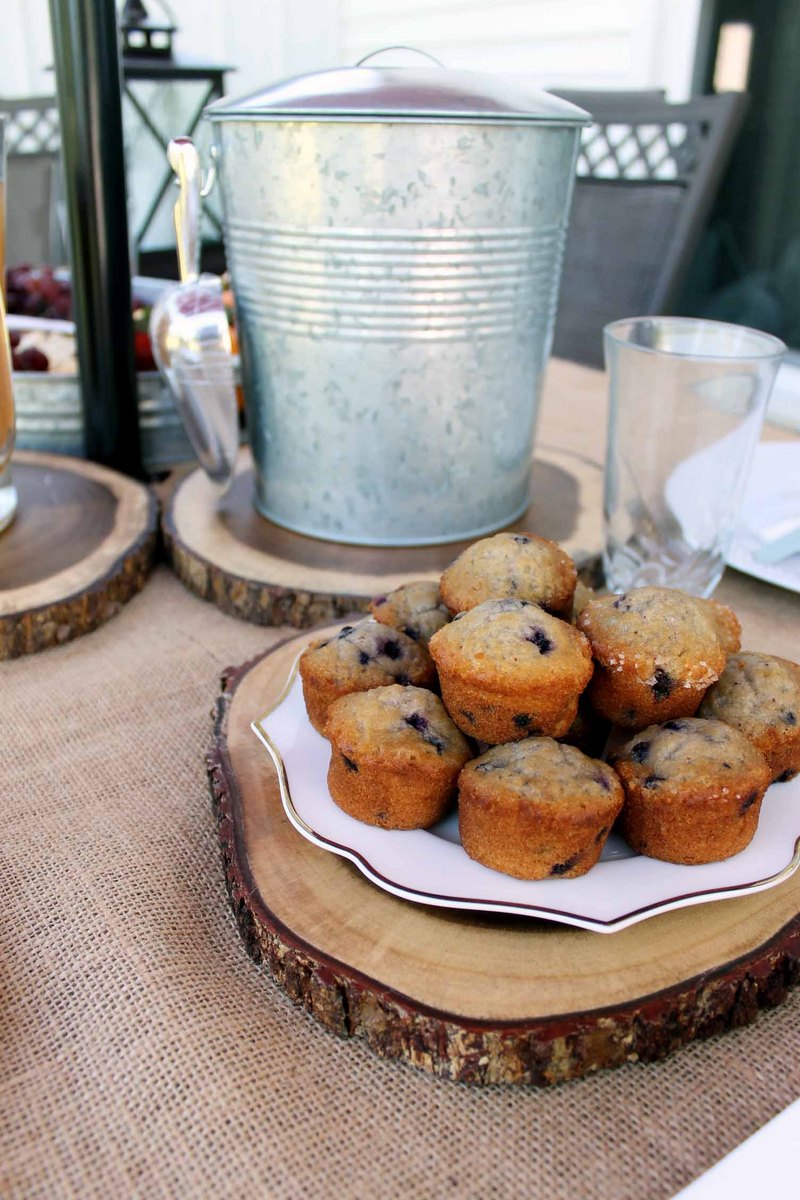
x,y
656,652
519,566
537,809
759,694
693,790
395,756
509,670
357,658
415,608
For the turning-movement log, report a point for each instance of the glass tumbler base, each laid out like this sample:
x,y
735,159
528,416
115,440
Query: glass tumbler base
x,y
697,572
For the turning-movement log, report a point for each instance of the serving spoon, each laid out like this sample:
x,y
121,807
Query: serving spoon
x,y
190,334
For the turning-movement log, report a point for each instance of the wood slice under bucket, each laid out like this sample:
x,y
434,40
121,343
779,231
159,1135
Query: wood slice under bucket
x,y
225,552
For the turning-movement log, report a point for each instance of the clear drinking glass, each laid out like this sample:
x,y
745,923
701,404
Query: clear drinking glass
x,y
686,404
8,493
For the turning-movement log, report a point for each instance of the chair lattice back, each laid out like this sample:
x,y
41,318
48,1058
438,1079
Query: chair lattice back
x,y
669,150
32,125
35,216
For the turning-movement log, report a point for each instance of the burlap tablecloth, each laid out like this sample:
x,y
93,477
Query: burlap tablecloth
x,y
143,1054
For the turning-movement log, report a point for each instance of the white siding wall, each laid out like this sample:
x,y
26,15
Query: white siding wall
x,y
265,39
25,48
577,43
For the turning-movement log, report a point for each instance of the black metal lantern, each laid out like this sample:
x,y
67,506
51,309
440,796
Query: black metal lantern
x,y
142,35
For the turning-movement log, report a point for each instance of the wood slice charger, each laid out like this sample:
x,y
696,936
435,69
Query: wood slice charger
x,y
81,544
471,997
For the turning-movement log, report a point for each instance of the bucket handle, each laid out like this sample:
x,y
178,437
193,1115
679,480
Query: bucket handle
x,y
388,50
210,177
207,178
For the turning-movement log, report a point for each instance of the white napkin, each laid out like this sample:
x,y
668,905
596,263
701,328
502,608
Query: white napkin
x,y
765,1164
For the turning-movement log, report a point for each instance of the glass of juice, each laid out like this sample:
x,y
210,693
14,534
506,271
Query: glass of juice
x,y
8,493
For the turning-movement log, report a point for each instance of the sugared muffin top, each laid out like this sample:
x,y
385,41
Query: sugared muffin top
x,y
510,643
520,566
395,722
415,608
689,751
371,653
543,770
661,634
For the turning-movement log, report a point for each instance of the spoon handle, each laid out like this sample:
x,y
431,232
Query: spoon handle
x,y
185,162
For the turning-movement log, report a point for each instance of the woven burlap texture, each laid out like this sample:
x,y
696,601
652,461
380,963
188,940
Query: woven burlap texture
x,y
143,1054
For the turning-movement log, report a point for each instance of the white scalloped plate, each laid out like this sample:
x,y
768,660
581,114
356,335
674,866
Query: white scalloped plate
x,y
429,866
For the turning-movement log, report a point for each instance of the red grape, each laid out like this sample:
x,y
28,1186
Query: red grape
x,y
31,359
36,292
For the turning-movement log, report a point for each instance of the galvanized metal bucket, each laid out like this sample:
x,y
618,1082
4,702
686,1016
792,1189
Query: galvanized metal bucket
x,y
395,239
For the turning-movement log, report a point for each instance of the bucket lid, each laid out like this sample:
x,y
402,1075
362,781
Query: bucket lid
x,y
397,93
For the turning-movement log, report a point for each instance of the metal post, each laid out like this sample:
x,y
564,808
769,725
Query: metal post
x,y
90,108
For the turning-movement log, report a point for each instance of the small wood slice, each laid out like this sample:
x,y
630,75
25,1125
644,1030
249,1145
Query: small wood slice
x,y
472,997
226,552
81,544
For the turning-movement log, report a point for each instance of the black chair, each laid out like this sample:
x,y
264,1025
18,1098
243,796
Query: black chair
x,y
588,98
647,175
35,215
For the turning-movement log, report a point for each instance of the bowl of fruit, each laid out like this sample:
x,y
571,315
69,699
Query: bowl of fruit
x,y
47,394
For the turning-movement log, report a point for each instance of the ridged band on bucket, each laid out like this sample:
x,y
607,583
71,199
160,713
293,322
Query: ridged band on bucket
x,y
392,284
